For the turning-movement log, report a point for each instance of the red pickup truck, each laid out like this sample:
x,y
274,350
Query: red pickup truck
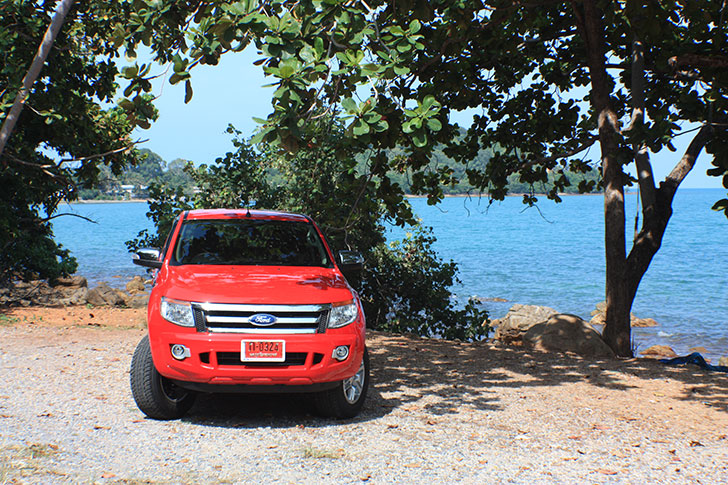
x,y
250,301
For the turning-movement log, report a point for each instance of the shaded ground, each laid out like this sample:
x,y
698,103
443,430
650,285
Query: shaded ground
x,y
438,411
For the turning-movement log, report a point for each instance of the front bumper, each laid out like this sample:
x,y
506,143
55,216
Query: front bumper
x,y
215,358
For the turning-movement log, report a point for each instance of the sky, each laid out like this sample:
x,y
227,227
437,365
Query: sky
x,y
232,93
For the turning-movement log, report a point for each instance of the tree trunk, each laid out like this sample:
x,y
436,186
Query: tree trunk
x,y
624,274
45,47
617,322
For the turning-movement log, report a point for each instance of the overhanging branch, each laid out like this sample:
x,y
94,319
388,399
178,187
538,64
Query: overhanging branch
x,y
100,155
538,161
686,163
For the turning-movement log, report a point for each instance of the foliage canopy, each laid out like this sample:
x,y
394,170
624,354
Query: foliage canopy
x,y
550,80
63,135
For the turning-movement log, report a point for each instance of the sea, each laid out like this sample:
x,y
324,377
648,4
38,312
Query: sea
x,y
507,253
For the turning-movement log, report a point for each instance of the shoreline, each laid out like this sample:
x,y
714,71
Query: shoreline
x,y
87,201
412,196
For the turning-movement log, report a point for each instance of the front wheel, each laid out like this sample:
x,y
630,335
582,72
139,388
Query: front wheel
x,y
347,398
155,395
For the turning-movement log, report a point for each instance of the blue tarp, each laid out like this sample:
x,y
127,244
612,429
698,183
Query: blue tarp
x,y
696,359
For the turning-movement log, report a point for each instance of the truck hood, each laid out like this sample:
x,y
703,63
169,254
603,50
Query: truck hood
x,y
254,284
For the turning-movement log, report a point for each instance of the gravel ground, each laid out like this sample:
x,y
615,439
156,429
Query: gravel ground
x,y
437,412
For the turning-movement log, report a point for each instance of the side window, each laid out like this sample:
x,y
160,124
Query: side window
x,y
169,237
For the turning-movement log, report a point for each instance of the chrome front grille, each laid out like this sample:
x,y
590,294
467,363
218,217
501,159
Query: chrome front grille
x,y
235,318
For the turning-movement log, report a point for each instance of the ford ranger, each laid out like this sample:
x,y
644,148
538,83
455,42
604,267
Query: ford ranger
x,y
250,301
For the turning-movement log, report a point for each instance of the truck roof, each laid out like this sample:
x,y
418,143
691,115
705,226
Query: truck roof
x,y
244,214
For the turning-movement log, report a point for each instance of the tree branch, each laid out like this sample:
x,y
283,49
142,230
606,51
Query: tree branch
x,y
43,168
99,155
586,144
43,50
698,61
641,154
67,214
686,163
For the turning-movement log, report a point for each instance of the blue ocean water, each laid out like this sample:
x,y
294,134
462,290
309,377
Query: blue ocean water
x,y
99,247
550,255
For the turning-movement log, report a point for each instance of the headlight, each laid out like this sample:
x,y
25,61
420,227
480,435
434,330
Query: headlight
x,y
177,312
343,314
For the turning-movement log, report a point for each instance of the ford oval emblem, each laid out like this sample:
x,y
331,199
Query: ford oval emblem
x,y
262,319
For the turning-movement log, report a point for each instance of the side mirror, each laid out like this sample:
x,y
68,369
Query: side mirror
x,y
147,257
351,261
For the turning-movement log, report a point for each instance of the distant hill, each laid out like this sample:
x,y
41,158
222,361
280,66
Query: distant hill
x,y
133,182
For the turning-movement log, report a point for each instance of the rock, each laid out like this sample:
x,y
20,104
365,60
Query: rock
x,y
659,352
598,316
520,318
643,322
567,333
138,300
723,361
597,319
74,282
136,285
76,297
700,350
103,295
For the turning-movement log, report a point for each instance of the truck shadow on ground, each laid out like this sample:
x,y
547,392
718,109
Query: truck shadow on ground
x,y
437,377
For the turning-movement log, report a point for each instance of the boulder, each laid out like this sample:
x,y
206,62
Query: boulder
x,y
74,282
643,322
601,309
700,350
597,319
659,352
136,285
137,300
520,318
76,297
104,295
567,333
723,361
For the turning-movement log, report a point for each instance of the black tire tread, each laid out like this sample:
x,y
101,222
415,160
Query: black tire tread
x,y
145,387
332,404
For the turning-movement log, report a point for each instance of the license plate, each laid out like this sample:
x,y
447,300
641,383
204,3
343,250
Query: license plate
x,y
263,351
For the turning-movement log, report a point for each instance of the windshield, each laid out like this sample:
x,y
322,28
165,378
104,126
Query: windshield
x,y
250,242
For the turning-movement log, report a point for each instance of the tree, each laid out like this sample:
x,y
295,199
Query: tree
x,y
64,134
551,80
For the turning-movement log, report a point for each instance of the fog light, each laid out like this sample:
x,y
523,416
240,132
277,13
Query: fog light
x,y
341,352
180,352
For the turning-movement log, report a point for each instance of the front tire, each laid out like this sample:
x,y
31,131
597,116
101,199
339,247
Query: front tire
x,y
347,398
155,395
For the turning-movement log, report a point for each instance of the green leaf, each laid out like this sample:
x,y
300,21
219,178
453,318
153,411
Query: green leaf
x,y
318,45
428,102
360,128
419,139
286,72
130,72
720,205
415,26
401,70
434,124
188,91
349,105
